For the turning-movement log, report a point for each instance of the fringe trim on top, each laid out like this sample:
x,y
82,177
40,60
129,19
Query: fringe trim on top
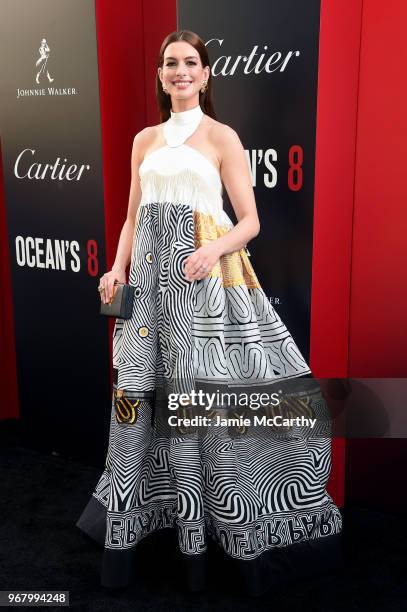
x,y
185,187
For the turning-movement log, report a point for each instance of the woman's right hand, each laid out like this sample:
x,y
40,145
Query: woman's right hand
x,y
107,282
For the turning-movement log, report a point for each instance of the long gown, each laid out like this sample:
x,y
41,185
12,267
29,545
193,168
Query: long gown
x,y
258,492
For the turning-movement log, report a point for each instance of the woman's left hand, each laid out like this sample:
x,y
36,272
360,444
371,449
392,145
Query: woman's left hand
x,y
198,265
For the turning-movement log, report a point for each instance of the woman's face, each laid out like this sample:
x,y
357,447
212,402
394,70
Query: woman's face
x,y
182,63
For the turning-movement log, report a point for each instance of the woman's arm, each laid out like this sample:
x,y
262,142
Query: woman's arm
x,y
236,177
124,248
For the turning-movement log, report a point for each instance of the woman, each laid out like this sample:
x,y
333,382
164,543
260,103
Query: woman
x,y
202,321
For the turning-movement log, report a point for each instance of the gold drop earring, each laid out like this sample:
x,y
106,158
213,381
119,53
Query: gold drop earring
x,y
204,86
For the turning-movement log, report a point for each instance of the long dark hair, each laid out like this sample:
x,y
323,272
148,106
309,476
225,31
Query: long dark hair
x,y
163,99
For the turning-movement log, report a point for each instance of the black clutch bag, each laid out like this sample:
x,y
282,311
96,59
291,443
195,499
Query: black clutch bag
x,y
121,305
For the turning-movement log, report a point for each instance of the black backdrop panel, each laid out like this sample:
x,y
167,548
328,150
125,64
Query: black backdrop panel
x,y
51,142
264,58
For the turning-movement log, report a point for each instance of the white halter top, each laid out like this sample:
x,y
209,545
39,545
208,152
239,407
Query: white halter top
x,y
177,172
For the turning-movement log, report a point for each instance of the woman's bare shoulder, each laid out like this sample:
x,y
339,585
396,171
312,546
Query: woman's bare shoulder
x,y
221,134
143,140
147,134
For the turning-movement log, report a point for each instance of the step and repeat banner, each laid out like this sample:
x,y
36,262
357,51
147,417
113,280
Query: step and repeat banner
x,y
51,145
264,58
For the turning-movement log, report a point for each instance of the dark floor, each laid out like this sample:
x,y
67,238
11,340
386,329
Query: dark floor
x,y
42,496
